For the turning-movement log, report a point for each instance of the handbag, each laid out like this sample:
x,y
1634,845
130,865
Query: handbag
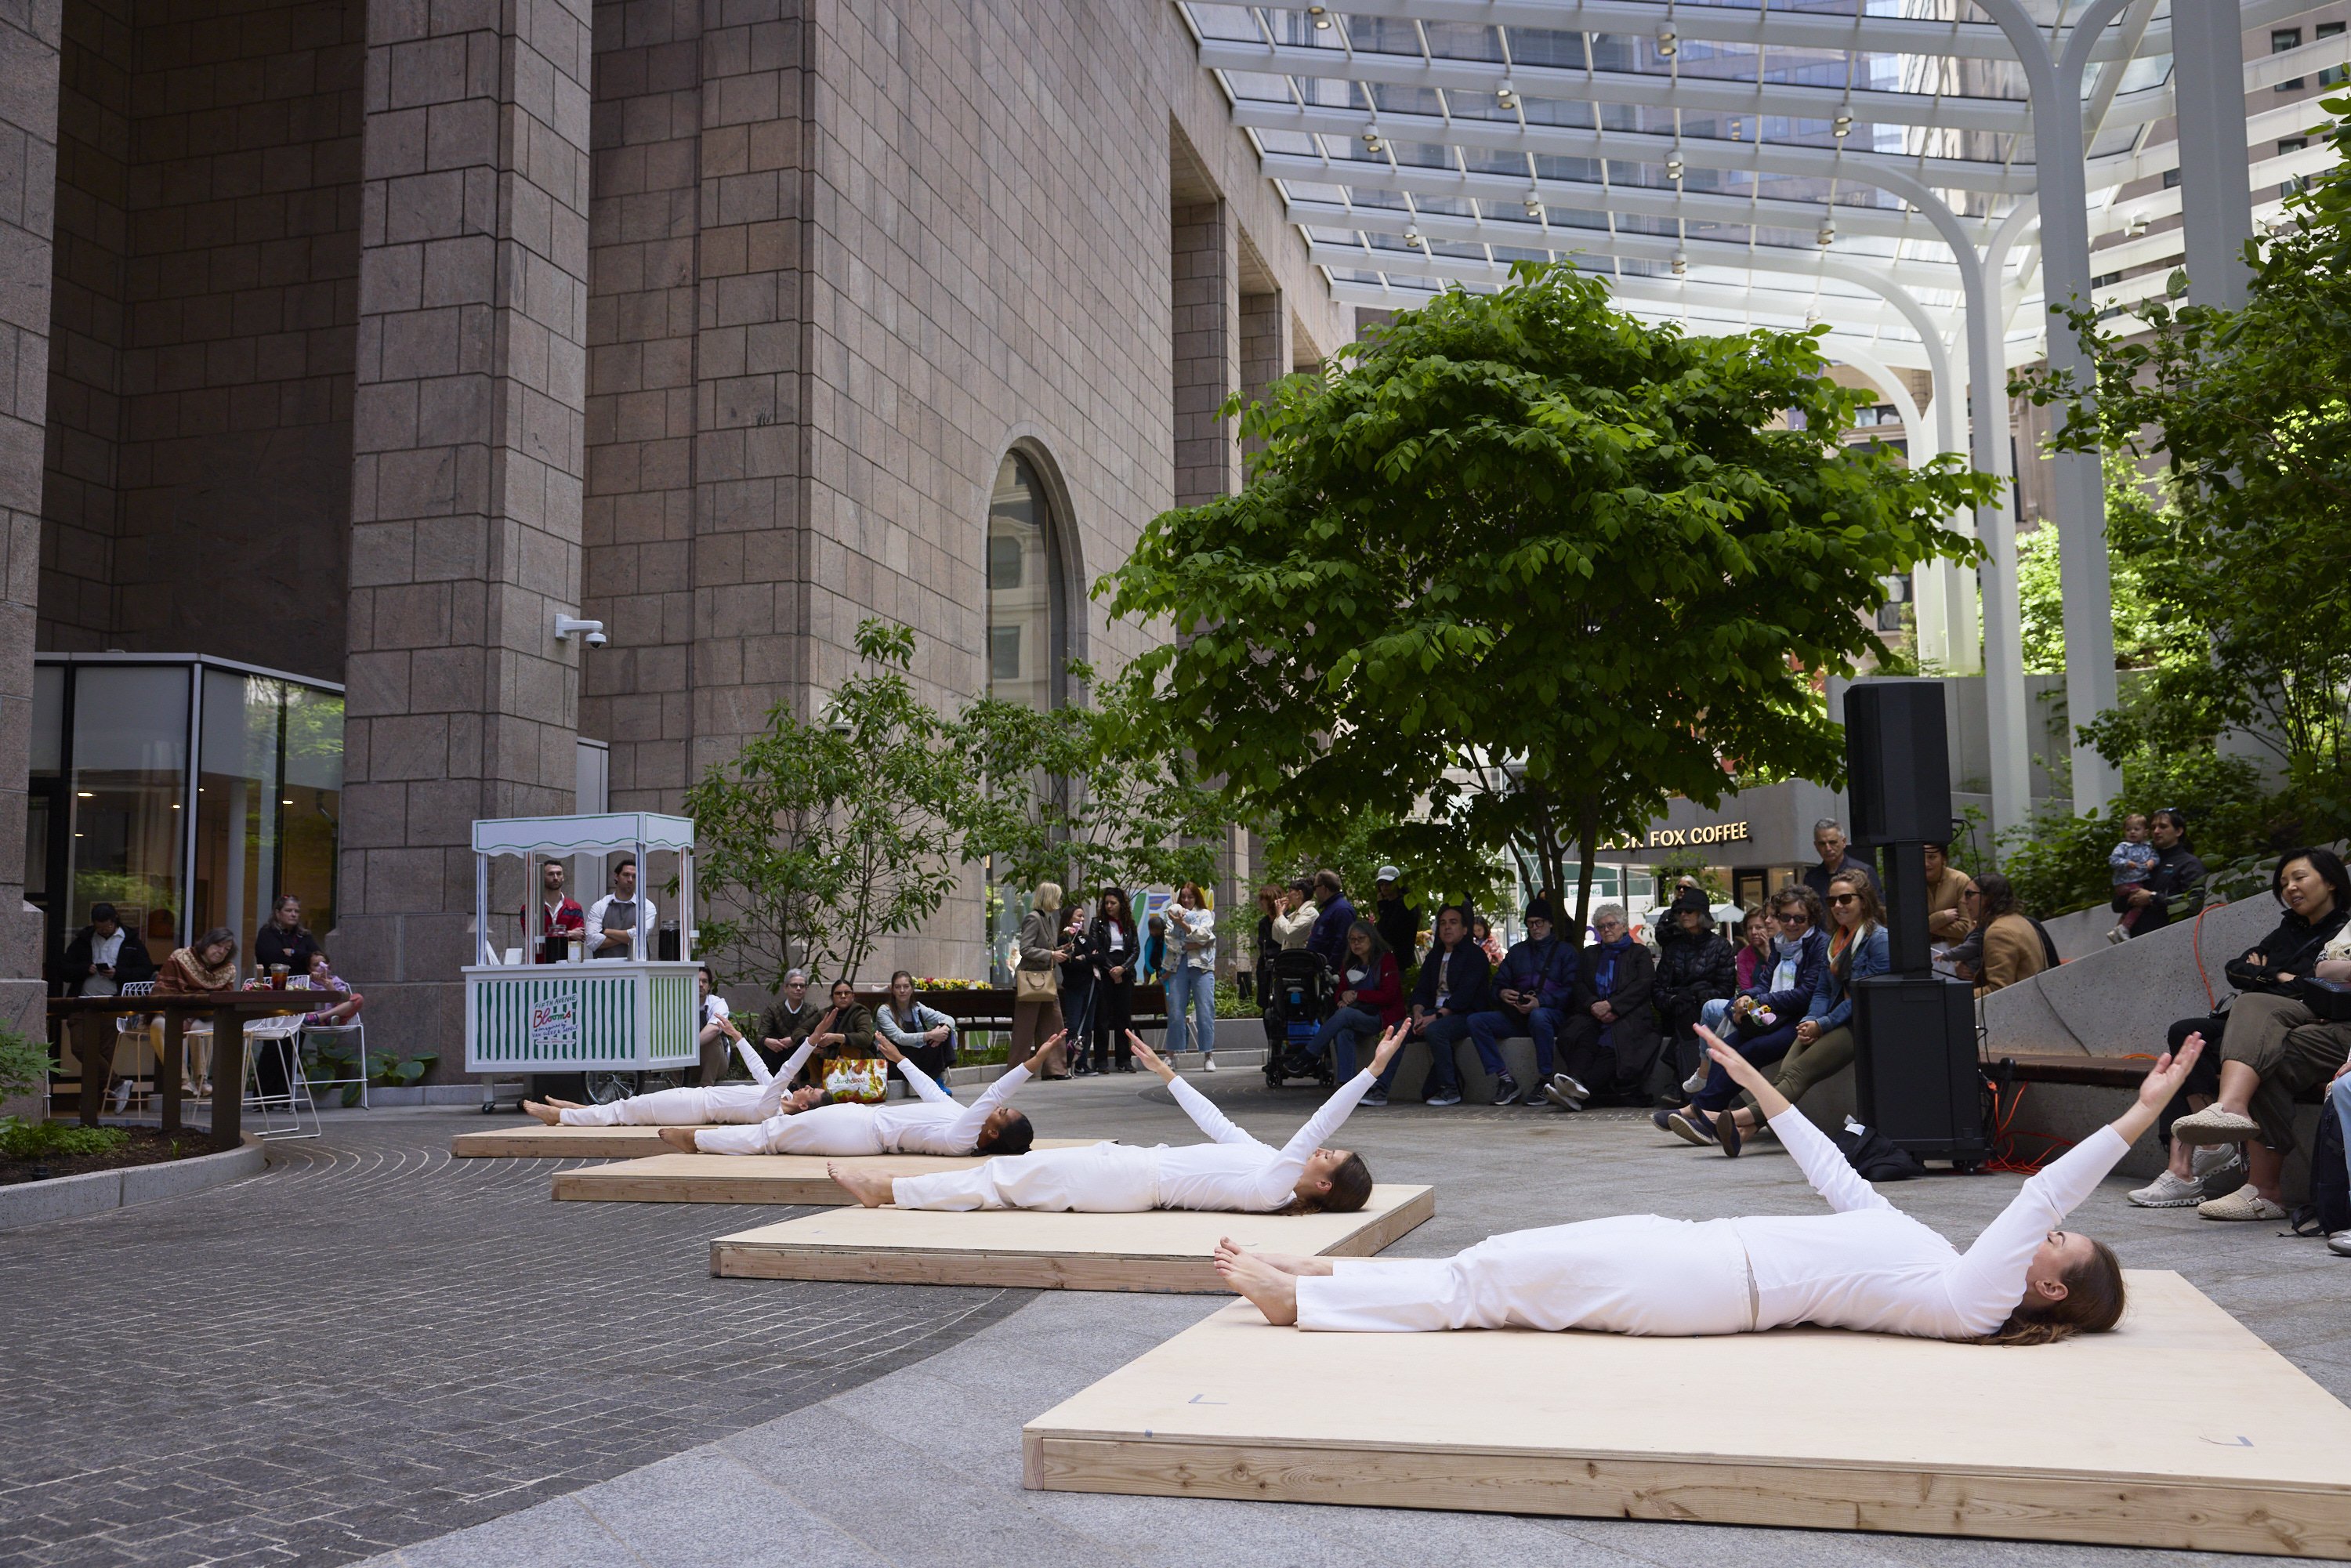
x,y
1035,986
2329,1001
858,1079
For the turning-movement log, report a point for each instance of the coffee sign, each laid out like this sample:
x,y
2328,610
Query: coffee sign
x,y
1686,838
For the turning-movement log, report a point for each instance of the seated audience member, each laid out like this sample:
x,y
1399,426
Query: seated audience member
x,y
1946,885
1370,998
1757,936
1328,935
925,1036
1696,966
1452,986
715,1032
2012,945
788,1021
1398,922
1532,989
2176,879
2127,864
2263,1049
1858,948
209,964
2338,1106
1829,841
324,978
1760,1022
1610,1040
1295,924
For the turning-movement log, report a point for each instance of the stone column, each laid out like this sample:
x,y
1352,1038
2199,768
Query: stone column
x,y
1265,351
1205,269
28,181
468,427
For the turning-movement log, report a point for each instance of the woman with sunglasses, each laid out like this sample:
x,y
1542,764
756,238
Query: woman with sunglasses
x,y
1761,1023
1857,948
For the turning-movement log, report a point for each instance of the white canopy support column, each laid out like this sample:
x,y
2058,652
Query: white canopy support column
x,y
2215,188
1930,632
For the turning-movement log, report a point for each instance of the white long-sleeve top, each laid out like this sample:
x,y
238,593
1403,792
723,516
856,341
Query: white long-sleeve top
x,y
1237,1173
1870,1266
774,1086
936,1122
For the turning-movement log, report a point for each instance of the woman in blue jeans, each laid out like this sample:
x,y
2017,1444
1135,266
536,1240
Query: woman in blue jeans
x,y
1763,1017
1370,998
1192,973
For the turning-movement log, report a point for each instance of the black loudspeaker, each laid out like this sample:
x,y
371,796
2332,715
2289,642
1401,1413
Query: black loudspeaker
x,y
1898,762
1915,1073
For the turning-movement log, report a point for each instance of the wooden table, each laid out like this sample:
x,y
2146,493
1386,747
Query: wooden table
x,y
226,1010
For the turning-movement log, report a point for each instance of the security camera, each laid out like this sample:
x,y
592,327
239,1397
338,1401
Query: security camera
x,y
593,631
596,639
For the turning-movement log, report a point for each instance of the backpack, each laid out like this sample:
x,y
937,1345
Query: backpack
x,y
1875,1156
2330,1181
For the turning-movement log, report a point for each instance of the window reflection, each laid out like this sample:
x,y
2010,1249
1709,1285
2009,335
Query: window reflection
x,y
129,766
1025,652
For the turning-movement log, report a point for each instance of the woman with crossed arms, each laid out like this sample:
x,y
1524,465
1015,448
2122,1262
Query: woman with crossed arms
x,y
1233,1172
1865,1266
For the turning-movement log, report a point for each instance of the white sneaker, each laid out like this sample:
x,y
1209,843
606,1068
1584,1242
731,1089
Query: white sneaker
x,y
2212,1159
1207,1064
1697,1080
2118,936
2340,1244
2169,1191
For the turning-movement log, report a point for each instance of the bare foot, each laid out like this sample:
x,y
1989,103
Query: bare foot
x,y
681,1139
1287,1262
565,1104
1269,1290
870,1188
546,1113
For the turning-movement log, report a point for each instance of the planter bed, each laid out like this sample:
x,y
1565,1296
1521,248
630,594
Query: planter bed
x,y
146,1146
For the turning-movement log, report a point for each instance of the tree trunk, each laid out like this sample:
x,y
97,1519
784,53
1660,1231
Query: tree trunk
x,y
1587,829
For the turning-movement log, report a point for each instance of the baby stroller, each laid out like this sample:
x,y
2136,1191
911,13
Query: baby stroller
x,y
1298,1000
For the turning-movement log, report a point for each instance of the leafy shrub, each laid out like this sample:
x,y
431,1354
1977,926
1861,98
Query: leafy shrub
x,y
2058,863
22,1140
24,1064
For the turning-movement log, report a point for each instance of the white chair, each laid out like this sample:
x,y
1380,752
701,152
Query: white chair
x,y
279,1031
128,1026
356,1032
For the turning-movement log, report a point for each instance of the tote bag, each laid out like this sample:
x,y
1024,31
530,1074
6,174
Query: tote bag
x,y
863,1080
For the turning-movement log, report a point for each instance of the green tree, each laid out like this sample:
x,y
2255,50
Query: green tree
x,y
1523,568
2146,636
2246,413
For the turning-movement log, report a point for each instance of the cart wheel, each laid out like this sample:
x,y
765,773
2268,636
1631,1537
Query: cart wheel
x,y
603,1088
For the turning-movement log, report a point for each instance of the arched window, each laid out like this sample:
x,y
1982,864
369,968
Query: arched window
x,y
1026,651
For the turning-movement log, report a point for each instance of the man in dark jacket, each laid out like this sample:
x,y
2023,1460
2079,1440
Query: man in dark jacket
x,y
788,1021
1695,966
1610,1040
2178,875
1329,936
1836,859
1453,985
105,952
1398,923
1531,994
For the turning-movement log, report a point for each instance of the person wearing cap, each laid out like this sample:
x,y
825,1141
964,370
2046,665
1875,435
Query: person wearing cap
x,y
1696,965
1398,923
1531,994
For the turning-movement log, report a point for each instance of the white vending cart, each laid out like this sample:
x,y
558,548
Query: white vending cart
x,y
597,1015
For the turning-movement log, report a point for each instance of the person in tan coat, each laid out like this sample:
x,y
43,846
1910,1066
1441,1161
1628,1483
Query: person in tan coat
x,y
2012,948
1946,889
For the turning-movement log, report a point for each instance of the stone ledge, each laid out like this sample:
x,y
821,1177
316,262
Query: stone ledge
x,y
95,1192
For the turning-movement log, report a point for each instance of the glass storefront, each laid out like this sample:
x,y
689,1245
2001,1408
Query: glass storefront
x,y
1024,653
185,791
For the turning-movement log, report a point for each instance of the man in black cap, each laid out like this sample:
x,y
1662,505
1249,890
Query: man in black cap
x,y
1531,991
1397,922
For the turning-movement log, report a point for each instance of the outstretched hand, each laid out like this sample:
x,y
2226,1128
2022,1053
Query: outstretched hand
x,y
1390,1043
2163,1080
1150,1058
1726,1056
883,1043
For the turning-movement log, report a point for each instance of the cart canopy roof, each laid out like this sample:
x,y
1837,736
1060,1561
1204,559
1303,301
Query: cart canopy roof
x,y
605,835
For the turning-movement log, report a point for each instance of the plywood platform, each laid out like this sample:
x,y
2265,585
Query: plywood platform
x,y
673,1177
2181,1430
1163,1249
529,1140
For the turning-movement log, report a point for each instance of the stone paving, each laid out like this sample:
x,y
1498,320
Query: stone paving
x,y
373,1343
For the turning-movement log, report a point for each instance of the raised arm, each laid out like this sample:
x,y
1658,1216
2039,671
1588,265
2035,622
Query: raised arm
x,y
771,1095
920,1081
751,1060
1342,1103
1196,1105
966,1128
1824,1165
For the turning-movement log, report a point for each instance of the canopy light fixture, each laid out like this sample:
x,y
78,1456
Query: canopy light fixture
x,y
1534,203
1842,123
1371,138
1681,262
1322,16
1668,46
1673,166
1507,96
1412,237
1827,236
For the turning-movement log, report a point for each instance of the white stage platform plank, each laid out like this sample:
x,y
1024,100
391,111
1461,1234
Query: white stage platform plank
x,y
2179,1430
531,1140
675,1178
1163,1249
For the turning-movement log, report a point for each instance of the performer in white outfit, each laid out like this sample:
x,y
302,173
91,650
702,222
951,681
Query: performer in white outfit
x,y
1234,1173
1866,1266
934,1123
765,1095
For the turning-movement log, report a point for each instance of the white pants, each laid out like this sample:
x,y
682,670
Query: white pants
x,y
1634,1274
835,1129
673,1108
1101,1179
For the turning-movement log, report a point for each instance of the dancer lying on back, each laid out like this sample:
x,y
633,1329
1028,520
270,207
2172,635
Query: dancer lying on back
x,y
934,1123
765,1095
1234,1173
1866,1266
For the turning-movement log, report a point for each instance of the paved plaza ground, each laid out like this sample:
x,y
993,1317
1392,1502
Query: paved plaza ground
x,y
375,1347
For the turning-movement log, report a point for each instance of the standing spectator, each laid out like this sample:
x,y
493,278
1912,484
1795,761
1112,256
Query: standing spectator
x,y
1481,931
1452,986
1076,947
1329,936
924,1036
283,941
1398,922
1755,941
1829,843
1192,983
2014,947
558,914
1695,966
1858,948
788,1022
1947,886
612,920
1610,1040
1369,1000
1295,924
1117,950
714,1027
1533,988
2128,863
1037,1014
1760,1022
2178,875
2260,1049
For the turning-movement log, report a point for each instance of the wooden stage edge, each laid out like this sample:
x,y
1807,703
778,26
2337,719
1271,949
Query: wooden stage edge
x,y
1088,1268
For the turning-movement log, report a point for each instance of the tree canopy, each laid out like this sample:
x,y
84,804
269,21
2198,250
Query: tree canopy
x,y
1522,568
